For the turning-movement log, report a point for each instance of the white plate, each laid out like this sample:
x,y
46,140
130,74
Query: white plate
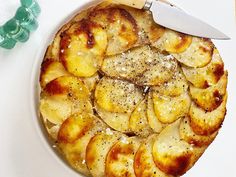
x,y
25,152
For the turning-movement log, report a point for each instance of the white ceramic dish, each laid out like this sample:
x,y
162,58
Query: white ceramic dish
x,y
25,151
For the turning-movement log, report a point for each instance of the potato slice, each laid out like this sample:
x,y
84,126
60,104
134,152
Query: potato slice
x,y
91,82
54,49
138,120
174,87
57,108
144,165
206,123
52,129
97,150
153,120
198,54
120,158
50,70
117,96
117,121
148,30
142,65
173,42
82,48
74,136
62,97
121,28
187,134
208,75
211,97
115,100
169,109
173,155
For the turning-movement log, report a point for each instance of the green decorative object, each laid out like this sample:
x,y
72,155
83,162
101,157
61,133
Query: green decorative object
x,y
6,42
14,30
31,5
26,19
18,28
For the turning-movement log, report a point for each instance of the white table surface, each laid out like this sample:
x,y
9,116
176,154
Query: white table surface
x,y
24,151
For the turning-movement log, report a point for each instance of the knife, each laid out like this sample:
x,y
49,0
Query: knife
x,y
172,17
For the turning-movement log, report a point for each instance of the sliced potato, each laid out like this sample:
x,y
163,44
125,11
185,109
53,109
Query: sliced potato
x,y
120,158
74,136
206,123
117,96
117,121
91,82
142,65
208,75
198,54
138,120
169,109
50,70
187,134
97,150
173,155
153,120
174,87
121,28
144,165
52,129
62,97
57,108
54,49
82,48
211,97
148,30
173,42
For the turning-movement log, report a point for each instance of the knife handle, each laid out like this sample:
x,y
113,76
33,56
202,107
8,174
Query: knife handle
x,y
138,4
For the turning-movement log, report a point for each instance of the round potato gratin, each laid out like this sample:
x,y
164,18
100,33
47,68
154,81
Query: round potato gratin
x,y
124,97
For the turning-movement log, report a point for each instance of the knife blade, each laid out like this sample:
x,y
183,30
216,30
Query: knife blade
x,y
174,18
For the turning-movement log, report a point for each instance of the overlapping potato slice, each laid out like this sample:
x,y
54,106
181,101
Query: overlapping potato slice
x,y
98,149
206,123
208,75
117,121
50,70
53,49
142,65
117,95
62,97
148,30
169,109
82,48
52,129
211,97
74,136
91,82
153,120
121,28
115,100
138,122
173,155
173,42
144,165
120,158
188,135
198,54
173,87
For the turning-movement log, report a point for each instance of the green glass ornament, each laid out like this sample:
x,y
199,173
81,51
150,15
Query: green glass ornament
x,y
26,19
32,5
13,30
6,42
